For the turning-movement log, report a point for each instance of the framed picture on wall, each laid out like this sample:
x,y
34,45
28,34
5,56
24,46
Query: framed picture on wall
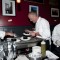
x,y
35,1
8,8
33,8
54,12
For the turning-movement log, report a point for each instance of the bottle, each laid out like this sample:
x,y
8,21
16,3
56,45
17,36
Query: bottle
x,y
43,49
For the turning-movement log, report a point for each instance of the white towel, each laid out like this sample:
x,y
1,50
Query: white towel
x,y
21,57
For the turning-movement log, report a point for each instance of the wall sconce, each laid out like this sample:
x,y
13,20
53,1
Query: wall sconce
x,y
18,4
18,1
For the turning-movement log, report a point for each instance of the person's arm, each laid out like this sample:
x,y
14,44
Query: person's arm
x,y
3,34
32,33
55,36
33,29
9,33
37,34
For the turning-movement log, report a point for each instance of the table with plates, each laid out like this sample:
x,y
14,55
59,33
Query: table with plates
x,y
32,42
49,54
28,43
23,43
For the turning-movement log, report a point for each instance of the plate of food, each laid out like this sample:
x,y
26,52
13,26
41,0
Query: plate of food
x,y
25,39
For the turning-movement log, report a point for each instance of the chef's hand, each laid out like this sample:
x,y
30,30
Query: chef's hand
x,y
33,29
9,33
32,33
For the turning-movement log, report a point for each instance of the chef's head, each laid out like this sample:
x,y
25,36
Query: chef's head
x,y
33,17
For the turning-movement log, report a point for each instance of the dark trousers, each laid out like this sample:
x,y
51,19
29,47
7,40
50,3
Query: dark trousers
x,y
57,51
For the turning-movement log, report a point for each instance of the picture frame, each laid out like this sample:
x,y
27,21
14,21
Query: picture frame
x,y
54,12
33,8
36,1
8,8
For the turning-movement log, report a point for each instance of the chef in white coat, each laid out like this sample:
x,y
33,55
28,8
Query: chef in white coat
x,y
42,27
3,34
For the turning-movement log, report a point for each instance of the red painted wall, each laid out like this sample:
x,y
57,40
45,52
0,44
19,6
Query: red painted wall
x,y
21,18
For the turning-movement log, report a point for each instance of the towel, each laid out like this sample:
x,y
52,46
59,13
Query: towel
x,y
21,57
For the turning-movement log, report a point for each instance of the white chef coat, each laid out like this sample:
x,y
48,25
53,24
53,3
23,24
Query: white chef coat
x,y
42,26
56,34
2,34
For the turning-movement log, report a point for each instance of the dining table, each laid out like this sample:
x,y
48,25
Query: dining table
x,y
21,44
29,43
49,56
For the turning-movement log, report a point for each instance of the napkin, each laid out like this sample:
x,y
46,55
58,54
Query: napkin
x,y
51,55
21,57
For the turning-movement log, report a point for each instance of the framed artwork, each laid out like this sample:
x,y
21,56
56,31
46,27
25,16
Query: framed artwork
x,y
33,8
8,8
35,1
54,12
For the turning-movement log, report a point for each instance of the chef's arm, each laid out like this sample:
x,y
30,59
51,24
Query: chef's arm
x,y
33,33
37,34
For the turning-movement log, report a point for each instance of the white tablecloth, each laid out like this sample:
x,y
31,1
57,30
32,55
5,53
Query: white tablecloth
x,y
21,57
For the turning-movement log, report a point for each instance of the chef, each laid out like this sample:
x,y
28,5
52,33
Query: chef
x,y
42,27
3,34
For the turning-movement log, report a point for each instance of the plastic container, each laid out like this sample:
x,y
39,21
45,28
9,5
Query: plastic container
x,y
43,49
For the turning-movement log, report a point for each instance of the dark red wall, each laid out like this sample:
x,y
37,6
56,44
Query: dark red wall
x,y
21,18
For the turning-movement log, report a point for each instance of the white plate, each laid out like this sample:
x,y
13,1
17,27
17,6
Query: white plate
x,y
51,55
28,38
26,34
34,55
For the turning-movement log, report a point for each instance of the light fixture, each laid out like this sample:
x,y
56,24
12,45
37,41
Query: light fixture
x,y
18,4
18,1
